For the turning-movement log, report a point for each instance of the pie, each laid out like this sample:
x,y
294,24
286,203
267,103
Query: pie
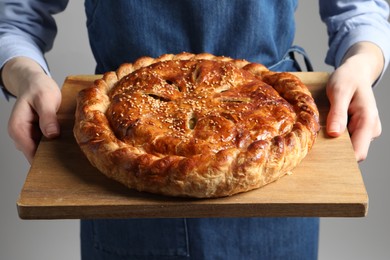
x,y
197,126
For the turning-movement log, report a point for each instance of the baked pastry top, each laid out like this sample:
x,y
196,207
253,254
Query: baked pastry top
x,y
195,125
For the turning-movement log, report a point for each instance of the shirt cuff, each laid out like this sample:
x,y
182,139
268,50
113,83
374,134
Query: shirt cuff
x,y
362,33
13,46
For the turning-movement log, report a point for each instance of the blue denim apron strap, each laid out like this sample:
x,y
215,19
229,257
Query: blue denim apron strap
x,y
289,62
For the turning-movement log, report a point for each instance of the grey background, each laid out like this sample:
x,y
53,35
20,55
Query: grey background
x,y
340,238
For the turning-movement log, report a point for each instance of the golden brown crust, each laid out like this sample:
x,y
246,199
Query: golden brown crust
x,y
195,125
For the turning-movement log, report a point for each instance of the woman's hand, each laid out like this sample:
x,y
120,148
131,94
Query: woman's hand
x,y
352,101
34,112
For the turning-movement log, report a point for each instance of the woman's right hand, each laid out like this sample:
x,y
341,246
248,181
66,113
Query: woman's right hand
x,y
35,109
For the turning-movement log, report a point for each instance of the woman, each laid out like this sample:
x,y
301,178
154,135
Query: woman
x,y
260,31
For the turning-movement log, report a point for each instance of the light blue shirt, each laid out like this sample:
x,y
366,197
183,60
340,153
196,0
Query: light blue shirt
x,y
28,29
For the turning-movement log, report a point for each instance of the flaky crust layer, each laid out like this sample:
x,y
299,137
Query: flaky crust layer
x,y
195,125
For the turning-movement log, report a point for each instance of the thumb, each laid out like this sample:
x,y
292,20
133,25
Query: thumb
x,y
337,119
47,112
49,125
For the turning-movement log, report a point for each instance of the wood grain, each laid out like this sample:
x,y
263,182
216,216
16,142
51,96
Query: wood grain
x,y
61,184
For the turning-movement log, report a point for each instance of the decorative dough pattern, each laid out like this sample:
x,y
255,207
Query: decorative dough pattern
x,y
195,125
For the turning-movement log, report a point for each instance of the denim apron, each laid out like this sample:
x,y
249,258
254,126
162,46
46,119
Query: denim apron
x,y
257,30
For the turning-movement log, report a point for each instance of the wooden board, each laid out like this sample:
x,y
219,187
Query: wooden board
x,y
61,183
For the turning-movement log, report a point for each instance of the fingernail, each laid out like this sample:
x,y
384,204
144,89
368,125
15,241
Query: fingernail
x,y
334,127
51,130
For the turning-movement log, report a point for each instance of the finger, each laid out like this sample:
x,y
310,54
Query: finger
x,y
337,118
23,129
363,131
27,146
49,124
47,113
361,141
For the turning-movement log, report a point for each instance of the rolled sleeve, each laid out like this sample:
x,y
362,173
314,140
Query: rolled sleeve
x,y
27,29
350,22
13,46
